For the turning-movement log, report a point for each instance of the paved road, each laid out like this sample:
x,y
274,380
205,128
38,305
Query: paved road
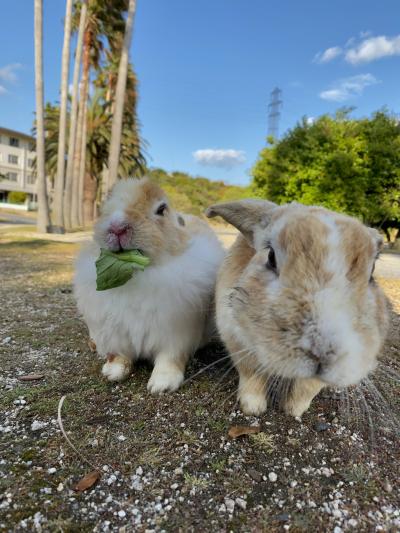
x,y
11,218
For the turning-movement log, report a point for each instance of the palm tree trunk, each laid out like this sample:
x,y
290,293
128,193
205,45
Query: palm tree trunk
x,y
69,179
80,151
59,181
89,198
82,169
116,131
43,219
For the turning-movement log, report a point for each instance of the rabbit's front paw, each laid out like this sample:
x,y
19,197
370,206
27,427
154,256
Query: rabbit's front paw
x,y
253,403
116,368
165,378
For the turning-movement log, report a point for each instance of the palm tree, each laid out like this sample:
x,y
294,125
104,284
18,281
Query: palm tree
x,y
59,182
97,146
70,180
104,19
116,131
43,218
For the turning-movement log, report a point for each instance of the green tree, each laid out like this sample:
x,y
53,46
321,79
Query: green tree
x,y
348,165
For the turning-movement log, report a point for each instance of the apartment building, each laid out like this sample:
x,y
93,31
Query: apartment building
x,y
16,165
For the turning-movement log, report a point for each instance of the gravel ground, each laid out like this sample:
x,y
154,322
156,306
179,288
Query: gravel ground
x,y
167,463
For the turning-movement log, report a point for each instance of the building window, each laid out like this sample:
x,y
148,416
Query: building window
x,y
13,159
14,142
30,163
12,176
30,179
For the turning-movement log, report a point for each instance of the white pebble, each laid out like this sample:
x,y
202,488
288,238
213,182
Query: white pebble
x,y
121,438
240,502
36,425
121,514
139,471
230,505
52,470
174,486
272,477
60,487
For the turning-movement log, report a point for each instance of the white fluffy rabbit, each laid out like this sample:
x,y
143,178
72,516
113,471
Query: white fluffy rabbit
x,y
296,299
163,313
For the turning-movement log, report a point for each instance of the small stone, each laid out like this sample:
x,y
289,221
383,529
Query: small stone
x,y
60,487
178,471
293,484
387,485
52,470
174,486
37,425
240,502
222,508
139,471
6,340
230,505
284,517
121,514
338,529
272,477
321,426
121,438
255,475
352,522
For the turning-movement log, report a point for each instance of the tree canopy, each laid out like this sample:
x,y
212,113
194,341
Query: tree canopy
x,y
345,164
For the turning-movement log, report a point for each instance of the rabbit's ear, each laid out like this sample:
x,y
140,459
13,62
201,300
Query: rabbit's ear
x,y
248,216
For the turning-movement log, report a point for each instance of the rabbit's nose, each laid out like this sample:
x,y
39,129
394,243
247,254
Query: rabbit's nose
x,y
119,228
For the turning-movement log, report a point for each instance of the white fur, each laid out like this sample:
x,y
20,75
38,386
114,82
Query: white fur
x,y
116,370
163,308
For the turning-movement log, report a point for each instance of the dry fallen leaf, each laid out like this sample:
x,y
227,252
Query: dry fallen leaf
x,y
31,377
237,431
88,481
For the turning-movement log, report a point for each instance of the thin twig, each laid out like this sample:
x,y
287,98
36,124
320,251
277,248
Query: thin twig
x,y
60,423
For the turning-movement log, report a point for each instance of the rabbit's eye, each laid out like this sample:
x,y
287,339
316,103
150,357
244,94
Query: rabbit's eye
x,y
161,209
271,261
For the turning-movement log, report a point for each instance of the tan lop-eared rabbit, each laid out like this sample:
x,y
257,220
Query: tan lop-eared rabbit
x,y
296,299
163,313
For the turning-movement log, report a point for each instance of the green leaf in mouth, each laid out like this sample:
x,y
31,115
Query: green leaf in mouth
x,y
116,268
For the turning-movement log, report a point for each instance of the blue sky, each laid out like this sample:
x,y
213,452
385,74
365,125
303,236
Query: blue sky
x,y
206,70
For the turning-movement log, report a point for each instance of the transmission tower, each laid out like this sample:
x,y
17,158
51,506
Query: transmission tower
x,y
274,113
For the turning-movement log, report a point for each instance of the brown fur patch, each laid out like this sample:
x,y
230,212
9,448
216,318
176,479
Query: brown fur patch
x,y
358,249
304,240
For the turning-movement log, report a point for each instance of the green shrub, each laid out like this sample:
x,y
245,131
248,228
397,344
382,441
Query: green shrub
x,y
17,197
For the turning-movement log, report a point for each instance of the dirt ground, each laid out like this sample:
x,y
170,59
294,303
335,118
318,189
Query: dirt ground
x,y
167,462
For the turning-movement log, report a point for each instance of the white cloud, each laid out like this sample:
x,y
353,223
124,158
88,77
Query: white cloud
x,y
328,54
348,88
2,89
219,158
373,48
310,120
8,74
